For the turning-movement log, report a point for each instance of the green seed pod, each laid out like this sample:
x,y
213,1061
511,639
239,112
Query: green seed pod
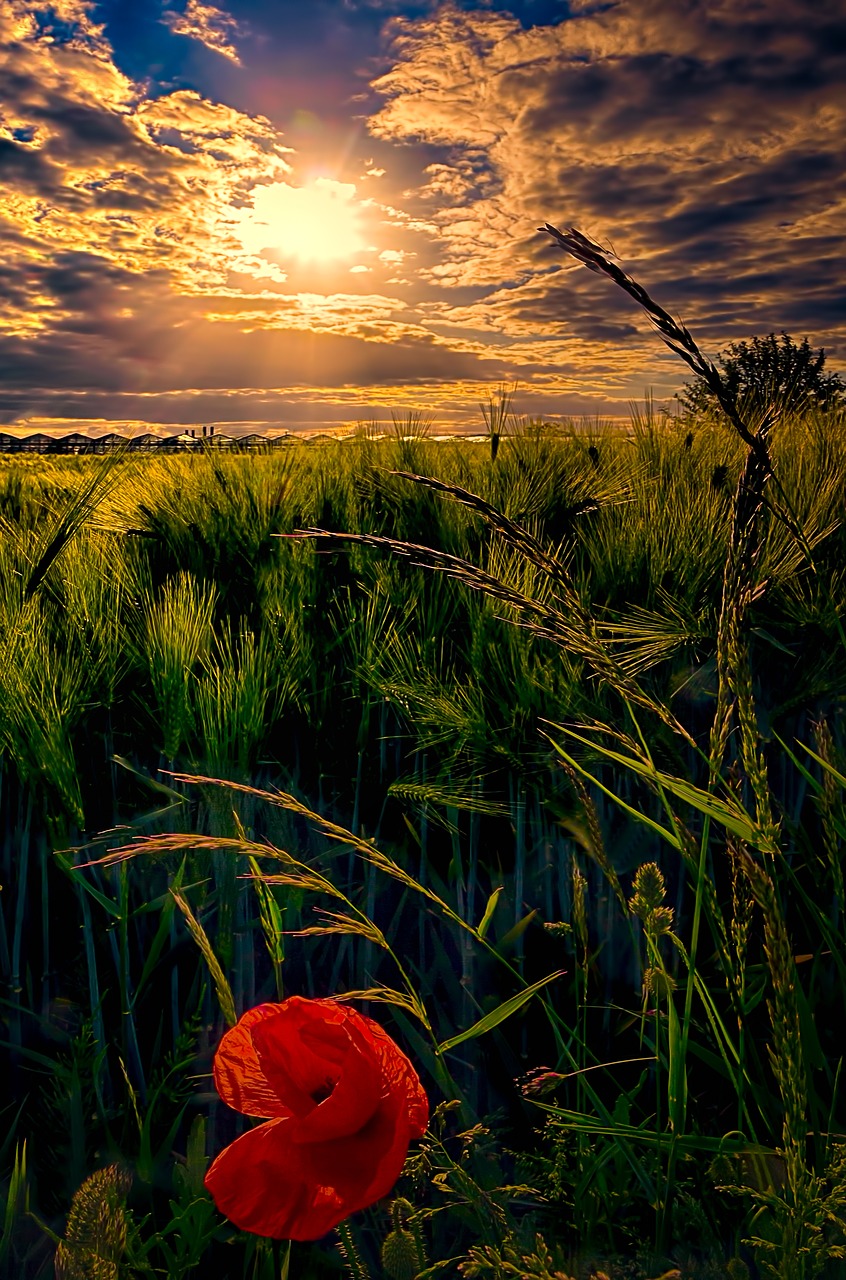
x,y
399,1256
659,983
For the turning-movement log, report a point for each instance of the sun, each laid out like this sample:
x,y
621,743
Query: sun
x,y
315,223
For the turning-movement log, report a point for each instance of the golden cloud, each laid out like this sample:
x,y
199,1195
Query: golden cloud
x,y
703,140
213,27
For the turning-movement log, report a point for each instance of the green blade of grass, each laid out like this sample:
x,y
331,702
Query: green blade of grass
x,y
733,817
490,908
498,1015
635,813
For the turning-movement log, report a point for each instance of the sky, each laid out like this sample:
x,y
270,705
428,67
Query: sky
x,y
303,214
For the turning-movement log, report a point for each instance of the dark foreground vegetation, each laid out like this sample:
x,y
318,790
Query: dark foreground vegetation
x,y
541,766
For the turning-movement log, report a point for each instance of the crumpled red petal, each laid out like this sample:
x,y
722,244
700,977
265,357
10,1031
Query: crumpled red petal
x,y
346,1102
354,1100
238,1075
268,1184
259,1183
322,1067
298,1065
399,1075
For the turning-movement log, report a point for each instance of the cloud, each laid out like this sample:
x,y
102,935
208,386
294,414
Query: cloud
x,y
65,22
140,184
213,27
703,140
389,6
150,262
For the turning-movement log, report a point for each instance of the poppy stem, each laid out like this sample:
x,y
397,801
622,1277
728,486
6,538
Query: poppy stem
x,y
285,1259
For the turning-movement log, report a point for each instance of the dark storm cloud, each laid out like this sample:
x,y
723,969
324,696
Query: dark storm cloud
x,y
704,141
221,360
21,166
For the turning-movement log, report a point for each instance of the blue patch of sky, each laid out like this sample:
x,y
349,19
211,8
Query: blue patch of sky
x,y
285,35
48,23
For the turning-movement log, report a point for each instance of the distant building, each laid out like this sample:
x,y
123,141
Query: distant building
x,y
76,442
144,444
247,444
108,443
178,444
39,443
188,441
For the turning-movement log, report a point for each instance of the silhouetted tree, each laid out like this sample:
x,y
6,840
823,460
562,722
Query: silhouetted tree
x,y
769,370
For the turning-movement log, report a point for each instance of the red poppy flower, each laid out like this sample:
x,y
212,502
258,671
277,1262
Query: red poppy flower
x,y
344,1102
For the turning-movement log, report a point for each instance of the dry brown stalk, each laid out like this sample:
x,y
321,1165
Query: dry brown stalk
x,y
221,983
180,842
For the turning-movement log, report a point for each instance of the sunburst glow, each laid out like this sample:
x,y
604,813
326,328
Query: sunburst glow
x,y
316,223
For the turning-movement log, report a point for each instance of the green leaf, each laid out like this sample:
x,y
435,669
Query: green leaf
x,y
489,910
498,1015
73,873
270,915
155,948
829,768
728,814
806,773
765,635
677,1074
688,1142
635,813
196,1160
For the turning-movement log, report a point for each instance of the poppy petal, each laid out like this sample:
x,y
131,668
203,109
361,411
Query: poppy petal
x,y
299,1065
265,1183
238,1073
353,1101
399,1075
365,1166
260,1183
